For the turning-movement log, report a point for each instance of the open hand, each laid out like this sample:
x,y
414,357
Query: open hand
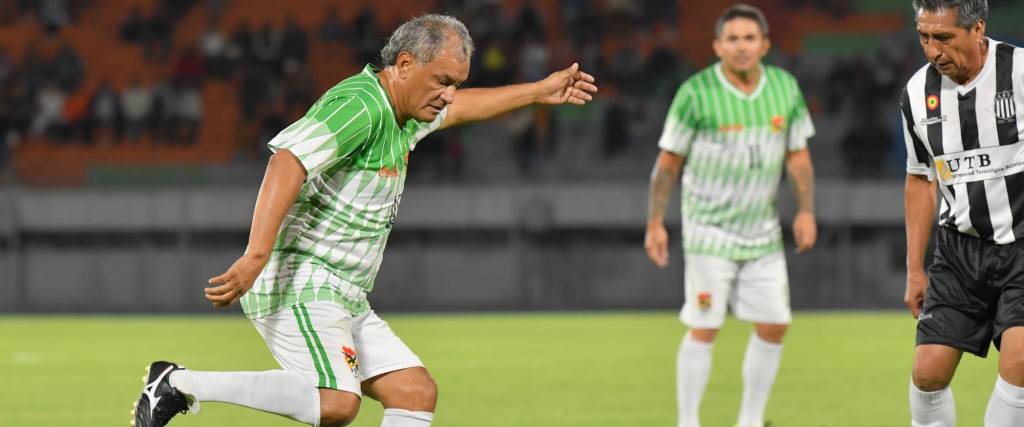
x,y
227,288
567,86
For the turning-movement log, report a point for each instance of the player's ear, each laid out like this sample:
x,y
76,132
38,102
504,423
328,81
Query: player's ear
x,y
979,29
404,64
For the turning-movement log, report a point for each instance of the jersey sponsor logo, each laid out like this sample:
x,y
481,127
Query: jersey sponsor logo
x,y
1006,110
980,164
704,300
778,124
391,172
943,170
730,128
933,102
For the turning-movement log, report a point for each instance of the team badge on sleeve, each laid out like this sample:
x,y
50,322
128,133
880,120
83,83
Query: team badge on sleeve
x,y
1006,110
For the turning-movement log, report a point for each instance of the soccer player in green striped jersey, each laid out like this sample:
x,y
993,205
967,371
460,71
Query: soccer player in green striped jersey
x,y
322,218
734,126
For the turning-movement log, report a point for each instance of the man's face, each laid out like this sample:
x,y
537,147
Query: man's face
x,y
949,47
741,45
431,86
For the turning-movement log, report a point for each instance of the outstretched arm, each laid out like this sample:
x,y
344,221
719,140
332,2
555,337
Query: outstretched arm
x,y
801,173
567,86
919,211
280,188
663,180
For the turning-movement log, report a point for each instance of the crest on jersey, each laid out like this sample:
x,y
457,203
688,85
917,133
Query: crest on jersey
x,y
778,124
933,102
1005,109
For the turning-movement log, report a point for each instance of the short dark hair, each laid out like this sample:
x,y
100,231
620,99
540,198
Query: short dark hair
x,y
969,12
742,10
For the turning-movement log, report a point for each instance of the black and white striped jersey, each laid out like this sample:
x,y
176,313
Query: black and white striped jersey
x,y
969,138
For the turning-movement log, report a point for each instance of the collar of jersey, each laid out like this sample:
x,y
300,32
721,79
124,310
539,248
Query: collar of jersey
x,y
368,70
985,69
739,94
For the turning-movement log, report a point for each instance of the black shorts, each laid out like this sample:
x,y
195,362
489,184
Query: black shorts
x,y
975,292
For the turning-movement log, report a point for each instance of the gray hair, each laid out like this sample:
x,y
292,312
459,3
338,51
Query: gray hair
x,y
741,10
424,37
969,12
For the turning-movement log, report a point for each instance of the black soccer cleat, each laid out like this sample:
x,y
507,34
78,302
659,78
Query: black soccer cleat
x,y
159,401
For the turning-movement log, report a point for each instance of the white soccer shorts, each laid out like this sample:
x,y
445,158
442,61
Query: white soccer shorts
x,y
757,290
321,341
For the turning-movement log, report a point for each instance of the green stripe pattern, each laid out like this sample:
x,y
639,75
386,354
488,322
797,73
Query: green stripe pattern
x,y
332,241
735,146
321,362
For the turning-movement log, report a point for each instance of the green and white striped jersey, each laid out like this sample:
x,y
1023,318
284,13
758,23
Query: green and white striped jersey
x,y
332,240
735,146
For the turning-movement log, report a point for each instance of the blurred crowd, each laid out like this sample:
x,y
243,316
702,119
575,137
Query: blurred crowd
x,y
52,15
602,36
631,46
42,92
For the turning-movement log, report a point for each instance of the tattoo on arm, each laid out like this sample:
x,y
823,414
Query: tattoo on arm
x,y
663,180
803,184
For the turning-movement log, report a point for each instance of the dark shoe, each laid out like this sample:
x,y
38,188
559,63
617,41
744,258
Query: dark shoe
x,y
159,401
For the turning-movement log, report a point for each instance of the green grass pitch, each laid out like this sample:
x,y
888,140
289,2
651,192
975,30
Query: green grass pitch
x,y
494,370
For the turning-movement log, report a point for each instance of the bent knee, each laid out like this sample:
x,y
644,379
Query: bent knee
x,y
1011,367
338,408
703,335
934,366
928,378
420,394
411,389
772,333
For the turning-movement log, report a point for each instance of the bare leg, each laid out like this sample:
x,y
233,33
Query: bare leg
x,y
409,397
1006,406
931,400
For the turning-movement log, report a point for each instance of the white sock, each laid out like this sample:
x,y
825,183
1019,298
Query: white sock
x,y
278,392
932,408
1006,407
760,365
693,367
394,417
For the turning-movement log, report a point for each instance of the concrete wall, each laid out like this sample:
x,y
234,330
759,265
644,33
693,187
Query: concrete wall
x,y
567,246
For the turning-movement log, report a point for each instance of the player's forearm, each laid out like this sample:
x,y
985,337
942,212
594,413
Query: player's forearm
x,y
477,104
278,192
663,180
919,211
801,173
